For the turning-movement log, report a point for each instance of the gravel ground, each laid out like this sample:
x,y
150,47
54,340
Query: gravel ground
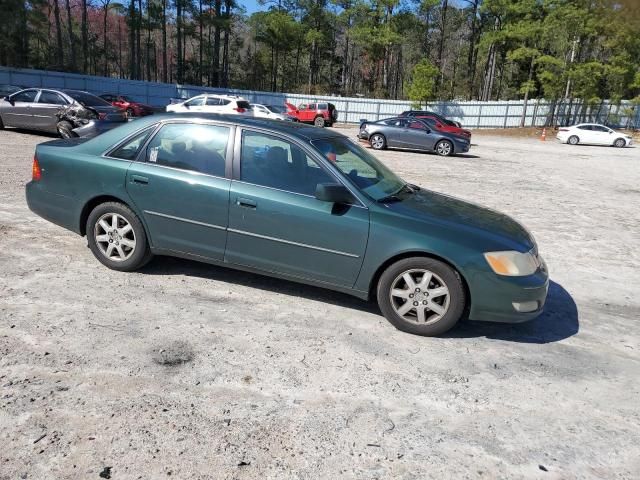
x,y
189,371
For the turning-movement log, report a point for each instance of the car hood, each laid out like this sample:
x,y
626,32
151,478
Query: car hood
x,y
457,214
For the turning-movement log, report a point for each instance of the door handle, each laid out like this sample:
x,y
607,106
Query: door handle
x,y
139,179
246,203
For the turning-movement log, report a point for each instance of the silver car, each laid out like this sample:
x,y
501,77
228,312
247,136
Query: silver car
x,y
411,134
38,108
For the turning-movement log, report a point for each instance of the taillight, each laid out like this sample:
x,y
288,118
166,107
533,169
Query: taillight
x,y
36,173
240,110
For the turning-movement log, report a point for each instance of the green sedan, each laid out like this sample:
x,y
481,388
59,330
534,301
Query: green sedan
x,y
292,201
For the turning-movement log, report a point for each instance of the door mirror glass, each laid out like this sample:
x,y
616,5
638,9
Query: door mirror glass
x,y
333,193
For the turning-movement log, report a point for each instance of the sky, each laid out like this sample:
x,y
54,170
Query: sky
x,y
251,6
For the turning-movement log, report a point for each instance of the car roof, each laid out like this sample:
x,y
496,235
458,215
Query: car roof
x,y
304,132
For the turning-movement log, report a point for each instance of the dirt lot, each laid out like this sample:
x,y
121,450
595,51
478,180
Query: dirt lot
x,y
279,380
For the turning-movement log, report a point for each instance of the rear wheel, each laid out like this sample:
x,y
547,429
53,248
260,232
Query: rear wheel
x,y
444,148
65,129
421,295
318,121
619,143
573,140
117,238
377,141
130,113
1,124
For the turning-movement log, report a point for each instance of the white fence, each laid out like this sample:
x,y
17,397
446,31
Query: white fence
x,y
499,114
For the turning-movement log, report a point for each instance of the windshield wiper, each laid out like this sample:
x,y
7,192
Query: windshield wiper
x,y
393,197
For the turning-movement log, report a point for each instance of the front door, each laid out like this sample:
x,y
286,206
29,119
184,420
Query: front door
x,y
19,115
276,223
417,135
45,109
181,188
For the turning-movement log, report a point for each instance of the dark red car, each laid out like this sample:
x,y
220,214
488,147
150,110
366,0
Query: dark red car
x,y
437,124
131,107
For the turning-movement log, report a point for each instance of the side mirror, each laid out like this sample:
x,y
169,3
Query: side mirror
x,y
333,193
10,100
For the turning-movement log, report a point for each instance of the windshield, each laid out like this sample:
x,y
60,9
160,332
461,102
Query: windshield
x,y
87,99
362,168
276,109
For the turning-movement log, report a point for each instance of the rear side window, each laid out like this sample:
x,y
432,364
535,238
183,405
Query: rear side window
x,y
193,147
26,96
323,106
51,98
129,150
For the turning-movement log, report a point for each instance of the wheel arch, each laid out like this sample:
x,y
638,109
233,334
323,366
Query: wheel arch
x,y
373,284
93,203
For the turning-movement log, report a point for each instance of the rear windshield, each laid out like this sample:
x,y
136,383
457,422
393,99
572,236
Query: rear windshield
x,y
87,99
244,104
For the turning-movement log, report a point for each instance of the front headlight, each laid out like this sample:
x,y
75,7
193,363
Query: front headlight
x,y
512,264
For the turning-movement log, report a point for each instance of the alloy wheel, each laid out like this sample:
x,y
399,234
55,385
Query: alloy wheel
x,y
419,296
115,237
443,148
377,142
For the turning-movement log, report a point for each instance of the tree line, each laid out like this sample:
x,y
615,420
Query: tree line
x,y
417,49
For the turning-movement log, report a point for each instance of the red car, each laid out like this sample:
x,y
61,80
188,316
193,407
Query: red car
x,y
321,114
131,107
437,124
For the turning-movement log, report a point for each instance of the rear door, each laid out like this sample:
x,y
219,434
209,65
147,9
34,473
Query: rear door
x,y
45,109
19,114
276,223
181,187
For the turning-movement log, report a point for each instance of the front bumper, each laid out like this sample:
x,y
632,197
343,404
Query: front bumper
x,y
498,298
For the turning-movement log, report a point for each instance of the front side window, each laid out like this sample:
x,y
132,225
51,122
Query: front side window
x,y
129,150
598,128
51,98
416,125
25,96
190,146
195,102
271,162
362,168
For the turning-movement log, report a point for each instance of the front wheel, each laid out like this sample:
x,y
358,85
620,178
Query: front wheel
x,y
130,113
619,143
117,238
444,148
422,296
573,140
377,141
318,121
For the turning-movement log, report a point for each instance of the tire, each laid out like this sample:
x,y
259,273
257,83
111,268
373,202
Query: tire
x,y
447,307
444,148
130,113
65,129
318,121
573,140
619,143
1,124
108,246
378,142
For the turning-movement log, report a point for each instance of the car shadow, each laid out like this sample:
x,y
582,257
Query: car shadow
x,y
558,321
177,266
34,133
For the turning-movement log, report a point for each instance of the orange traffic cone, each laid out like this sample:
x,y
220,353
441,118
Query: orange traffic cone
x,y
543,137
